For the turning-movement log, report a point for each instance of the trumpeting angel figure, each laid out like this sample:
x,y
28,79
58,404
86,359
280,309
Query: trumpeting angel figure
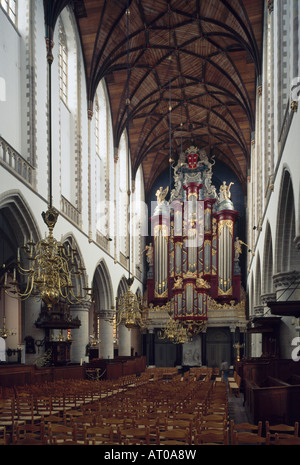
x,y
161,195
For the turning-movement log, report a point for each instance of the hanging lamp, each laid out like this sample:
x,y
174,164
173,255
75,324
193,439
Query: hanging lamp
x,y
128,307
52,269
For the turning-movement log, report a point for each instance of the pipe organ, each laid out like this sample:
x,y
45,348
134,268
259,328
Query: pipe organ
x,y
193,242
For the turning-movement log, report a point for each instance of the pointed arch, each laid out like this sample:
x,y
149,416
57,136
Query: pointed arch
x,y
286,257
139,293
122,287
102,286
257,285
268,262
72,247
16,224
20,214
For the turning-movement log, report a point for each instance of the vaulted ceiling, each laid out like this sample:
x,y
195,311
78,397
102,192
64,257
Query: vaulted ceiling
x,y
178,73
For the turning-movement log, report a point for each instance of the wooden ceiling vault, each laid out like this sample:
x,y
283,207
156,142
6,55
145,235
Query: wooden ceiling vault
x,y
192,68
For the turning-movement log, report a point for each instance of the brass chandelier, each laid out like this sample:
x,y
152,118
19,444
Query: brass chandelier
x,y
180,331
4,332
128,309
175,332
52,269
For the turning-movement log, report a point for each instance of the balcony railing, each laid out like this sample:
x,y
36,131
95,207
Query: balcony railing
x,y
70,211
12,160
102,241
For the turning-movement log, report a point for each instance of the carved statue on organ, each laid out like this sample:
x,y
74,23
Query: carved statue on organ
x,y
193,245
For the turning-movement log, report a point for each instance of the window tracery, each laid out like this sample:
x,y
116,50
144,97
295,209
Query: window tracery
x,y
63,65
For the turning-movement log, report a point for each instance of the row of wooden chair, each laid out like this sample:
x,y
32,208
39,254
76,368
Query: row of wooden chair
x,y
152,402
212,433
153,411
234,384
247,433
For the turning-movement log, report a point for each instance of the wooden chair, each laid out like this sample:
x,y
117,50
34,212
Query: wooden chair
x,y
69,442
246,427
212,425
89,420
98,435
282,430
192,417
131,436
142,422
25,410
57,403
234,386
43,405
171,423
212,436
286,441
29,431
71,413
8,416
112,422
4,438
249,438
213,417
30,442
55,419
60,433
179,435
232,379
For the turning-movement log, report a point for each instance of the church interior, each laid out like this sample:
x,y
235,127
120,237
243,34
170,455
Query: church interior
x,y
149,222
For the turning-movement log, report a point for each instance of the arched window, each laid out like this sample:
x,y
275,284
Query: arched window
x,y
138,221
66,115
101,160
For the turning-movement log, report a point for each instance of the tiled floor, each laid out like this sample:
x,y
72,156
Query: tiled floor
x,y
237,411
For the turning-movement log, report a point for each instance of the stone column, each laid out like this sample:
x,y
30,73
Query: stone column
x,y
106,345
80,336
32,309
151,348
232,341
124,341
203,346
136,341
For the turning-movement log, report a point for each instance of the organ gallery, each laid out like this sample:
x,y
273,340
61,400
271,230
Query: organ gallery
x,y
194,274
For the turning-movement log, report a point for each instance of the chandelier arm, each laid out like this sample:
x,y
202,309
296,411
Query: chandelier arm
x,y
28,290
24,271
